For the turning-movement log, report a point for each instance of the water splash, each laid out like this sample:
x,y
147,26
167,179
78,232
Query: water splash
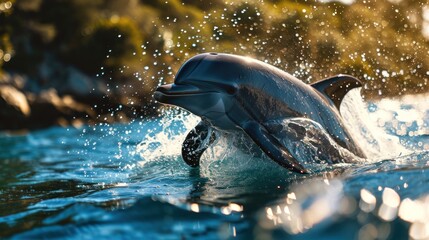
x,y
374,139
236,152
310,143
165,139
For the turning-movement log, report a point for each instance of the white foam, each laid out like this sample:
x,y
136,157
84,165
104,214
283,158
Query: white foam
x,y
377,129
165,140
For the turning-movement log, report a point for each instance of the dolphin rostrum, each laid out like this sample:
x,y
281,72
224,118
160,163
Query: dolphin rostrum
x,y
235,93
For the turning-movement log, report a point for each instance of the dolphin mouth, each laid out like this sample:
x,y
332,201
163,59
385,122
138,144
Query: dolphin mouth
x,y
165,92
175,89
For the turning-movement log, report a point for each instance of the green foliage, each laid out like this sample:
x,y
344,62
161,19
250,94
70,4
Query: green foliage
x,y
108,44
70,17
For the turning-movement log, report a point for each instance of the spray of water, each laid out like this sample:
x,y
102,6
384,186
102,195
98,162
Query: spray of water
x,y
375,126
165,139
377,143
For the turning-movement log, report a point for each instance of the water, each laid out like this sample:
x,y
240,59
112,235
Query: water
x,y
128,181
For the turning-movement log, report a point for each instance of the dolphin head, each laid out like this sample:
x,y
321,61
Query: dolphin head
x,y
204,85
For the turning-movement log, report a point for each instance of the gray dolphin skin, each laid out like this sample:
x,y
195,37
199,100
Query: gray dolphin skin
x,y
235,93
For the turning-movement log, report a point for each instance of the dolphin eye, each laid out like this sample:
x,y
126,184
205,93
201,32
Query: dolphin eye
x,y
231,90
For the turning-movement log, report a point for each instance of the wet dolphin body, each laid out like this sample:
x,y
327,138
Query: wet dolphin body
x,y
232,93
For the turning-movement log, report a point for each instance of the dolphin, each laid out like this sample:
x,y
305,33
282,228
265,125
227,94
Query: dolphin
x,y
235,93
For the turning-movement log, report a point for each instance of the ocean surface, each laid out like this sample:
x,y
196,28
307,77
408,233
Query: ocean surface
x,y
128,181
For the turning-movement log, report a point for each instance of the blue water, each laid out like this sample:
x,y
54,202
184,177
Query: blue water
x,y
128,181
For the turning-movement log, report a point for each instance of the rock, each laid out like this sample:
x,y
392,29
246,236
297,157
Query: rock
x,y
50,109
60,94
14,107
69,80
12,98
4,78
16,80
66,105
80,85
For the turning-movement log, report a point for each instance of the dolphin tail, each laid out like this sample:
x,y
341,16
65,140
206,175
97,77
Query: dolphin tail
x,y
272,147
196,142
336,87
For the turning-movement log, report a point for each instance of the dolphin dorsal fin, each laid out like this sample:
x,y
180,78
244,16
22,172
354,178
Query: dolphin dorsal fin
x,y
336,87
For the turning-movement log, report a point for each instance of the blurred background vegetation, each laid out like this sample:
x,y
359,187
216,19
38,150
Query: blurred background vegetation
x,y
107,56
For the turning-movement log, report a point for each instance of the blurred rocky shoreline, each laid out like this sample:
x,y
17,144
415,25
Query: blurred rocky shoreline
x,y
62,96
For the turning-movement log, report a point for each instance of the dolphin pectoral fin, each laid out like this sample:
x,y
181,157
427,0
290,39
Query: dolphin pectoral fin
x,y
196,142
272,147
336,87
